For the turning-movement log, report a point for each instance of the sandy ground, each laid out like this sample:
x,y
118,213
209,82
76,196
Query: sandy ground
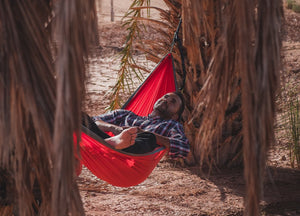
x,y
172,189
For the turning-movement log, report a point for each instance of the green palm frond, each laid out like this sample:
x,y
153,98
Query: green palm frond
x,y
129,71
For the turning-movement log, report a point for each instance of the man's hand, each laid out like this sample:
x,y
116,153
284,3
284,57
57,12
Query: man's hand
x,y
124,139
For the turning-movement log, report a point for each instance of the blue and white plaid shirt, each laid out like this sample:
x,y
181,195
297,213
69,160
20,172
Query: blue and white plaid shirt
x,y
179,144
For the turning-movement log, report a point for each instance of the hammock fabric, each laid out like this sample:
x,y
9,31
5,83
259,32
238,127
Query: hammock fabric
x,y
121,168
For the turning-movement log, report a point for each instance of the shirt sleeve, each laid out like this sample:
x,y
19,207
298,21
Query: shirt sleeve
x,y
116,117
179,144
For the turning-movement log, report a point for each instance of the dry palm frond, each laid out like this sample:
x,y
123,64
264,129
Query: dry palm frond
x,y
73,24
201,27
260,72
39,105
219,90
246,51
27,100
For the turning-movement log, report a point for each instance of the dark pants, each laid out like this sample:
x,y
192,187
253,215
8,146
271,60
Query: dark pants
x,y
144,142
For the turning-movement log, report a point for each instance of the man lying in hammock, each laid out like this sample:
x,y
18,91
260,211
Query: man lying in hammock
x,y
137,134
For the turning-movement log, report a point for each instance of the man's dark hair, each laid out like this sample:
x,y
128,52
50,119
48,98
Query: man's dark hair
x,y
181,109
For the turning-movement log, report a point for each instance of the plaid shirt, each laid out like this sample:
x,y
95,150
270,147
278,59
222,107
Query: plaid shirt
x,y
179,144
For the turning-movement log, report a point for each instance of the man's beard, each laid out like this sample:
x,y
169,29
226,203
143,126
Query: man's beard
x,y
162,108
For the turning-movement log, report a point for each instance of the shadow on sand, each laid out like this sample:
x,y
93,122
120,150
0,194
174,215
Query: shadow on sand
x,y
281,194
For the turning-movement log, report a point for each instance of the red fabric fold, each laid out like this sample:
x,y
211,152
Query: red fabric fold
x,y
115,167
158,83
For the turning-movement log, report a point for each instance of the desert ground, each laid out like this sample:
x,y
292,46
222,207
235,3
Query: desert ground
x,y
173,189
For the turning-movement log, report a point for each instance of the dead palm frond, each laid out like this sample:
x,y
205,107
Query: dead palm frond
x,y
260,73
41,101
27,100
73,25
218,74
247,51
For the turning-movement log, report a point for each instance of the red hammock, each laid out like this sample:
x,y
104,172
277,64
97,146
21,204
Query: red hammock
x,y
121,168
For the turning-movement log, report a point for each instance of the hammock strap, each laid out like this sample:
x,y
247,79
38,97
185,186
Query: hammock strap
x,y
177,39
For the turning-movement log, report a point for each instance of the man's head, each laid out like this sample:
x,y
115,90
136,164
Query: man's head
x,y
169,106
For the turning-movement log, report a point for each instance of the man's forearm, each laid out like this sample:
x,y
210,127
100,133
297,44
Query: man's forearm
x,y
104,126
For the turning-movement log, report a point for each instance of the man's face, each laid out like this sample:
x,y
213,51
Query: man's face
x,y
168,106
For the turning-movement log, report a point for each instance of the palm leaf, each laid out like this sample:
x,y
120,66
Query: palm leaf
x,y
40,101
